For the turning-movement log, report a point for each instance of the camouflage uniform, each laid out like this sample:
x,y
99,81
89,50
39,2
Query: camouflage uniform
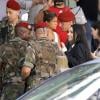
x,y
12,55
6,31
41,56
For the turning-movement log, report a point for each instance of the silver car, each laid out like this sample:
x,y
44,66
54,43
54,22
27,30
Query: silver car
x,y
79,83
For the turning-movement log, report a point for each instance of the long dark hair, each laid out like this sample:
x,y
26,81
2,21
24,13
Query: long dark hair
x,y
80,37
79,34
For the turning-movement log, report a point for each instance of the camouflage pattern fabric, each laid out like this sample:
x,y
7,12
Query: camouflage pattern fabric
x,y
7,31
42,54
12,55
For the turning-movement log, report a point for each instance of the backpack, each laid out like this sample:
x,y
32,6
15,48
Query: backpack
x,y
47,61
46,58
49,58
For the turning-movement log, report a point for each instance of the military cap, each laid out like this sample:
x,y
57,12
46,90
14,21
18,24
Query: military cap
x,y
24,24
13,4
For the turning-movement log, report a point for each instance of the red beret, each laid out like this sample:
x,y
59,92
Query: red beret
x,y
40,25
25,25
66,16
13,4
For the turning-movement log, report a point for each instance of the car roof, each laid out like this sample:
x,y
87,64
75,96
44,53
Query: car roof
x,y
69,84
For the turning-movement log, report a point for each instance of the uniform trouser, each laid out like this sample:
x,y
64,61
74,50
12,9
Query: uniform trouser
x,y
11,91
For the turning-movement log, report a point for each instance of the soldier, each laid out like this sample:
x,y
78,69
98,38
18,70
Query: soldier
x,y
8,23
41,58
12,82
12,55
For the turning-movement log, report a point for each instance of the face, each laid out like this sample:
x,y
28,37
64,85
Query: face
x,y
53,23
66,25
70,34
12,14
23,33
95,33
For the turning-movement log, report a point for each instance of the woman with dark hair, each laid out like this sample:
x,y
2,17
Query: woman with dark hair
x,y
79,52
70,42
51,20
47,26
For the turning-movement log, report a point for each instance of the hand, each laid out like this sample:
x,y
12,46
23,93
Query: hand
x,y
63,47
25,71
93,55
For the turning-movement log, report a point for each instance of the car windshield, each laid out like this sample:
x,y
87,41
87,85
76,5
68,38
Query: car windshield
x,y
68,85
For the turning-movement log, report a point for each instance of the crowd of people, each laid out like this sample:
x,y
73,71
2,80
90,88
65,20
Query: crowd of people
x,y
49,43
